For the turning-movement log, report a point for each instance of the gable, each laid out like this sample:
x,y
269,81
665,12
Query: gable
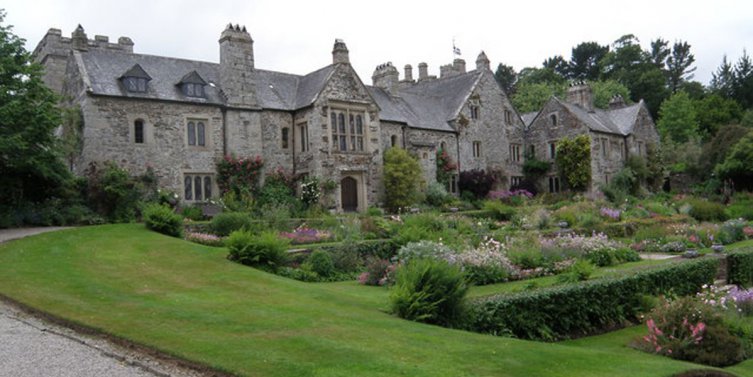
x,y
345,85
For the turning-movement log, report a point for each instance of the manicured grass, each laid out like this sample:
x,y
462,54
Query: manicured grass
x,y
188,300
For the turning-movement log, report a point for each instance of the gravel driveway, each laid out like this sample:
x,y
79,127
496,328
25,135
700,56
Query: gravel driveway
x,y
32,347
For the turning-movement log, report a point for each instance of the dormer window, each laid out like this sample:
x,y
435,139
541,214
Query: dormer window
x,y
192,85
135,79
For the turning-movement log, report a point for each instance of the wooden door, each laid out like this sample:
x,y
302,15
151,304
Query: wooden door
x,y
349,189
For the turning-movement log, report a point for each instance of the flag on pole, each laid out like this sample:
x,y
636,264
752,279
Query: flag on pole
x,y
455,50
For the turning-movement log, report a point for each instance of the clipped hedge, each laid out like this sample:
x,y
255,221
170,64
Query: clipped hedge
x,y
582,308
740,267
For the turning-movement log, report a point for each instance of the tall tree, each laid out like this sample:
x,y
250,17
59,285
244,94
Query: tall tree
x,y
659,52
506,77
584,61
743,82
679,65
557,64
678,121
715,111
604,91
532,96
30,163
723,80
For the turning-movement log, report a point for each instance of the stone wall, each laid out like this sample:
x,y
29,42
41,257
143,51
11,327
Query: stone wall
x,y
108,136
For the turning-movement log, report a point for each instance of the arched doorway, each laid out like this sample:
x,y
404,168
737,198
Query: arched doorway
x,y
349,193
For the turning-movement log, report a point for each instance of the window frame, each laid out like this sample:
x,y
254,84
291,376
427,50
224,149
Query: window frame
x,y
198,187
303,133
552,150
139,131
515,155
196,132
348,130
475,112
477,149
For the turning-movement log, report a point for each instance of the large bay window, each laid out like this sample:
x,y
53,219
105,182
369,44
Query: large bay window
x,y
348,130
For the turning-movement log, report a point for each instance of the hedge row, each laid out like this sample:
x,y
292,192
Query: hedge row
x,y
740,267
583,308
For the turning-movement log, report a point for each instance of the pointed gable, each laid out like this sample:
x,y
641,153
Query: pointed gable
x,y
137,72
192,77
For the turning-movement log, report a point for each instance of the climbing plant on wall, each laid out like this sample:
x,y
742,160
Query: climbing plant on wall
x,y
573,159
238,175
445,166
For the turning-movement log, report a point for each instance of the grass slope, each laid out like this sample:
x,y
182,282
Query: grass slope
x,y
189,301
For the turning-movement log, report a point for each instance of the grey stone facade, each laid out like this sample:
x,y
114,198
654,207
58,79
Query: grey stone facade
x,y
616,133
180,117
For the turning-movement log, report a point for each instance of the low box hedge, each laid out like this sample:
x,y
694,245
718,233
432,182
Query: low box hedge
x,y
740,267
583,308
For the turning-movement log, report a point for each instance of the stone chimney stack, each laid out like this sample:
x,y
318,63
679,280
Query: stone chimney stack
x,y
617,102
459,65
237,74
386,77
79,40
423,71
482,62
579,93
340,53
408,73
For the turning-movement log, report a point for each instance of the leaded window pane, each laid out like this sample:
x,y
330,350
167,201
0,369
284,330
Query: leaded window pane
x,y
191,133
343,143
188,193
333,120
142,84
359,125
352,124
197,187
138,132
341,122
360,144
207,187
189,90
200,133
352,143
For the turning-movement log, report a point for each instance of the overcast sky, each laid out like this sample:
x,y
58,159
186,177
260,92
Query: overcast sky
x,y
297,36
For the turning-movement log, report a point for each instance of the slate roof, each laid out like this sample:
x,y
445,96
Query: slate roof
x,y
618,121
275,90
429,104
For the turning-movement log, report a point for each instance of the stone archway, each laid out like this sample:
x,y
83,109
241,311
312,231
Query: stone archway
x,y
349,194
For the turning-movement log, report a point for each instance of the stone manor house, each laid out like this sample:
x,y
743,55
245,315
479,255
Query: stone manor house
x,y
181,116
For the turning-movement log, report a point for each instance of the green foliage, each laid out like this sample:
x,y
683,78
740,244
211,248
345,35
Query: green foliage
x,y
678,120
402,178
278,191
714,112
437,195
704,210
531,97
227,222
500,211
310,191
266,251
163,220
321,263
740,267
604,91
574,161
445,167
506,78
578,309
737,166
238,175
192,213
581,270
114,194
429,290
716,150
30,156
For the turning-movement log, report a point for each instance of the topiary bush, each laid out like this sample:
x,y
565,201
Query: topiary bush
x,y
740,267
227,222
163,220
429,290
266,250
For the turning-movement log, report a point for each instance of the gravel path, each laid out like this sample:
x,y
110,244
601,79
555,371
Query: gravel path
x,y
33,347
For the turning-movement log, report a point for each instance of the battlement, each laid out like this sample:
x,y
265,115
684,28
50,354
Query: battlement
x,y
54,43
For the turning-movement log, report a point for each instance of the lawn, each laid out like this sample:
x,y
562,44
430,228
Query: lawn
x,y
189,301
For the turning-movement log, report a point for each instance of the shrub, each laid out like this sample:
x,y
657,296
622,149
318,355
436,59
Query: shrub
x,y
429,290
192,213
425,250
578,309
163,220
486,264
227,222
238,175
703,210
574,161
527,258
499,210
402,177
266,250
477,182
740,267
437,195
580,271
321,263
204,239
114,194
378,272
731,231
